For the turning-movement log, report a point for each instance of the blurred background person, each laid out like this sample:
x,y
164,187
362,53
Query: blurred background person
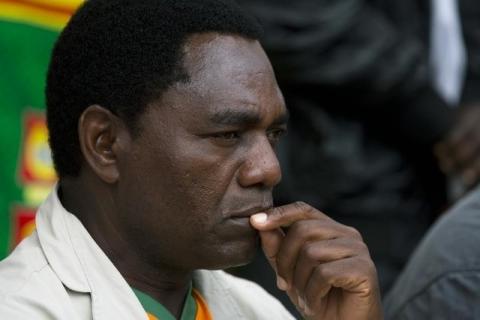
x,y
28,29
459,150
374,110
442,279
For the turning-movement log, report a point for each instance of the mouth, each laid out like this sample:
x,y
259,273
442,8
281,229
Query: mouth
x,y
236,222
247,213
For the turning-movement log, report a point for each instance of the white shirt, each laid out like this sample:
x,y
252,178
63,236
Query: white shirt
x,y
59,272
447,50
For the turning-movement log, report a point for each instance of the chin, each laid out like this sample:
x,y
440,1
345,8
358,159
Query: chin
x,y
233,256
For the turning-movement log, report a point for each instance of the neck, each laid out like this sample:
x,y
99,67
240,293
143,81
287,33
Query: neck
x,y
95,208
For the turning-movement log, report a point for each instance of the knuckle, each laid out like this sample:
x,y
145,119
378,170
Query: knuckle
x,y
301,229
371,267
354,233
366,268
321,273
305,209
309,252
301,206
359,246
363,248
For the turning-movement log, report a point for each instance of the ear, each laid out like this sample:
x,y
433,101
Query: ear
x,y
99,132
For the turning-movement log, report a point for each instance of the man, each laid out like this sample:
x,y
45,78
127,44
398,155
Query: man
x,y
442,279
163,119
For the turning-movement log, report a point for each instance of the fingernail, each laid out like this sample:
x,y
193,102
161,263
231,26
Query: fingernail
x,y
307,311
301,303
259,218
281,283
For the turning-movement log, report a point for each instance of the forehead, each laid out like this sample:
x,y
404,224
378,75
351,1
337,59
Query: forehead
x,y
227,71
210,55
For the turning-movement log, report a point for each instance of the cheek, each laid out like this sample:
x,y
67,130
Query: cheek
x,y
203,187
183,178
183,186
202,174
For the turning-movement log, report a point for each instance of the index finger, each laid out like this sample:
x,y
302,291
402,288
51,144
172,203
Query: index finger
x,y
285,216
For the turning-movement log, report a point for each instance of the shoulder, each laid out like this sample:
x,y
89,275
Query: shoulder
x,y
30,288
454,295
444,271
22,265
242,298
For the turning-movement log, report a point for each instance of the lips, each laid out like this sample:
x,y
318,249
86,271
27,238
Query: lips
x,y
236,223
246,213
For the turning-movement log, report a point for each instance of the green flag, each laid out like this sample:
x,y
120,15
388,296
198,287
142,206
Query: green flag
x,y
28,29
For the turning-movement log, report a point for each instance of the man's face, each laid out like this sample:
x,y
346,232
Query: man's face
x,y
204,160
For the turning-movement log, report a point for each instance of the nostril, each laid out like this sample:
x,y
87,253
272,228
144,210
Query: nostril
x,y
263,169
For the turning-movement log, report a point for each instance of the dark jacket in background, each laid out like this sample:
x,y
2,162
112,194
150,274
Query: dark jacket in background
x,y
364,116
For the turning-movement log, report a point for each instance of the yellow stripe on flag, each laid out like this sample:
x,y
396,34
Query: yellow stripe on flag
x,y
68,4
46,17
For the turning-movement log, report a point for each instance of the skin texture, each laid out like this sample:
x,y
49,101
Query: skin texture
x,y
178,196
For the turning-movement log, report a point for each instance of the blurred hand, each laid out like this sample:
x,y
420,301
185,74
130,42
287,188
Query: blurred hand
x,y
324,266
459,153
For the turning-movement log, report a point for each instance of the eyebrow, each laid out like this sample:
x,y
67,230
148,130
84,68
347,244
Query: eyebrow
x,y
244,118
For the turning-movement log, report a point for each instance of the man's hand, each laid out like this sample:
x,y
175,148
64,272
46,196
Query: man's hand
x,y
459,153
324,266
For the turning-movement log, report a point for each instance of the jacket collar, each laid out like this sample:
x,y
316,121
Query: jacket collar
x,y
55,235
80,263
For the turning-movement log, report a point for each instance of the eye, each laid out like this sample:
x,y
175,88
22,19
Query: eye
x,y
226,139
274,135
227,135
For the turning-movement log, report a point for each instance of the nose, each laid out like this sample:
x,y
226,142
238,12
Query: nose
x,y
260,166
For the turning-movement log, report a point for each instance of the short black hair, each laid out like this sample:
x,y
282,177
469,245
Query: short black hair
x,y
122,54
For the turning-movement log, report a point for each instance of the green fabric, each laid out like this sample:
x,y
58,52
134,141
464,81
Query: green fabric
x,y
24,56
155,308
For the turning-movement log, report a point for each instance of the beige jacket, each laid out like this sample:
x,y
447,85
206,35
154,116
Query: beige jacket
x,y
59,272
